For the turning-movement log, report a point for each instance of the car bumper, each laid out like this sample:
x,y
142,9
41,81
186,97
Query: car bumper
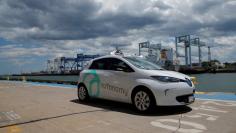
x,y
173,97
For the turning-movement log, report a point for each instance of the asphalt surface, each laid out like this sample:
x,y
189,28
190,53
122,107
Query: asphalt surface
x,y
30,108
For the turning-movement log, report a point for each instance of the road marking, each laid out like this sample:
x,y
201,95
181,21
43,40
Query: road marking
x,y
11,115
228,104
200,115
209,108
104,122
100,122
197,128
14,129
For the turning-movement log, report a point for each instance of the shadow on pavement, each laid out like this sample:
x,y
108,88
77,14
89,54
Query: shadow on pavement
x,y
128,108
10,124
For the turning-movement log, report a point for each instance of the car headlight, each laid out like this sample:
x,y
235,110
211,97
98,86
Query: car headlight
x,y
189,82
166,79
172,79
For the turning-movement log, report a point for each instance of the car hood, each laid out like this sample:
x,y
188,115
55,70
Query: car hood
x,y
166,73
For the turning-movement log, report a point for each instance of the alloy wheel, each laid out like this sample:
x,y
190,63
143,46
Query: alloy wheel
x,y
82,93
142,101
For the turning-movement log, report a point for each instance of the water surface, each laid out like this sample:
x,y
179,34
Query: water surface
x,y
219,82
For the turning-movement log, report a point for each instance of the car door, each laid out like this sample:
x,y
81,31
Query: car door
x,y
94,77
119,79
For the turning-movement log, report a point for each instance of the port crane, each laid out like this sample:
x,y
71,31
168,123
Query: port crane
x,y
64,64
209,50
185,39
150,47
188,42
199,44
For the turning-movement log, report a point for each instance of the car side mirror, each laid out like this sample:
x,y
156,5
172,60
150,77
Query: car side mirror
x,y
120,69
123,69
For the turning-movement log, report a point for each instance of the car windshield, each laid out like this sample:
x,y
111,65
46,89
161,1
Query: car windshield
x,y
142,63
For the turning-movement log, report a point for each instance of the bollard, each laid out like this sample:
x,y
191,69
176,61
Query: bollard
x,y
23,78
194,80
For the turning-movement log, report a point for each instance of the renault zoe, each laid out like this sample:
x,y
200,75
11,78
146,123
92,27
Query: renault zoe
x,y
134,80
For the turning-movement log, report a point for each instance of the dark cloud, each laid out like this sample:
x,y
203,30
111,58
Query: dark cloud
x,y
161,5
181,28
79,19
96,26
219,16
66,20
228,25
203,6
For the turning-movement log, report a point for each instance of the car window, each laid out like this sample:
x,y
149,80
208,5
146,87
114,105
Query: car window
x,y
111,64
143,64
117,65
99,64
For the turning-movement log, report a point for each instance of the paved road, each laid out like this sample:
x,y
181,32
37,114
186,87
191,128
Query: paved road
x,y
28,108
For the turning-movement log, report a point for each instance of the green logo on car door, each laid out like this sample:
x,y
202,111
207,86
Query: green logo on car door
x,y
95,80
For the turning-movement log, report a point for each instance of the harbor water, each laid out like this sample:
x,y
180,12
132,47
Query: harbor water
x,y
219,82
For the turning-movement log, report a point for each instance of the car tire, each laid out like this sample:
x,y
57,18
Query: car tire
x,y
82,93
143,100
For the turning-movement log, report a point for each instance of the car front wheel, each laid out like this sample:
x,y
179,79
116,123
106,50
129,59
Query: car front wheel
x,y
143,100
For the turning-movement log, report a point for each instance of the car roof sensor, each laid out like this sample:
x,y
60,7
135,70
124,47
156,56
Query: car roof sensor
x,y
117,52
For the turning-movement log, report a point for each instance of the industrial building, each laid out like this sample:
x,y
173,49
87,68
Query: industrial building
x,y
158,54
170,58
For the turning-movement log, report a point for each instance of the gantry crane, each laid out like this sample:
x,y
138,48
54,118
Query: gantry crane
x,y
187,47
188,42
199,44
150,47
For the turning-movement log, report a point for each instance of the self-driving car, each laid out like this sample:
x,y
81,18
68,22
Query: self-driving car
x,y
136,81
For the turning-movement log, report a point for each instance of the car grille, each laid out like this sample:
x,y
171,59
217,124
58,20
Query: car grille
x,y
183,98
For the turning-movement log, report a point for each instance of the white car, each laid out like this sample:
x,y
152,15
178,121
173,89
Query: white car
x,y
134,80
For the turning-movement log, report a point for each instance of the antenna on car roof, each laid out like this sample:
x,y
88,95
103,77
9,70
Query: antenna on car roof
x,y
117,52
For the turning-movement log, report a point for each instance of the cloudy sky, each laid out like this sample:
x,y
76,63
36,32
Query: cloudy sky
x,y
33,31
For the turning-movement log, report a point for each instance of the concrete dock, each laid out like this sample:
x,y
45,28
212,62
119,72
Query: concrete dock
x,y
36,108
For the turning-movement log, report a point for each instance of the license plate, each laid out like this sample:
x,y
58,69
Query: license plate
x,y
190,99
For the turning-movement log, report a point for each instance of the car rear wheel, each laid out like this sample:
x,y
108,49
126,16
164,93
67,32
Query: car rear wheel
x,y
82,93
143,100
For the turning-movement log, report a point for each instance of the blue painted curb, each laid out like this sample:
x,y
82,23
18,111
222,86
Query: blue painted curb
x,y
54,85
217,96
